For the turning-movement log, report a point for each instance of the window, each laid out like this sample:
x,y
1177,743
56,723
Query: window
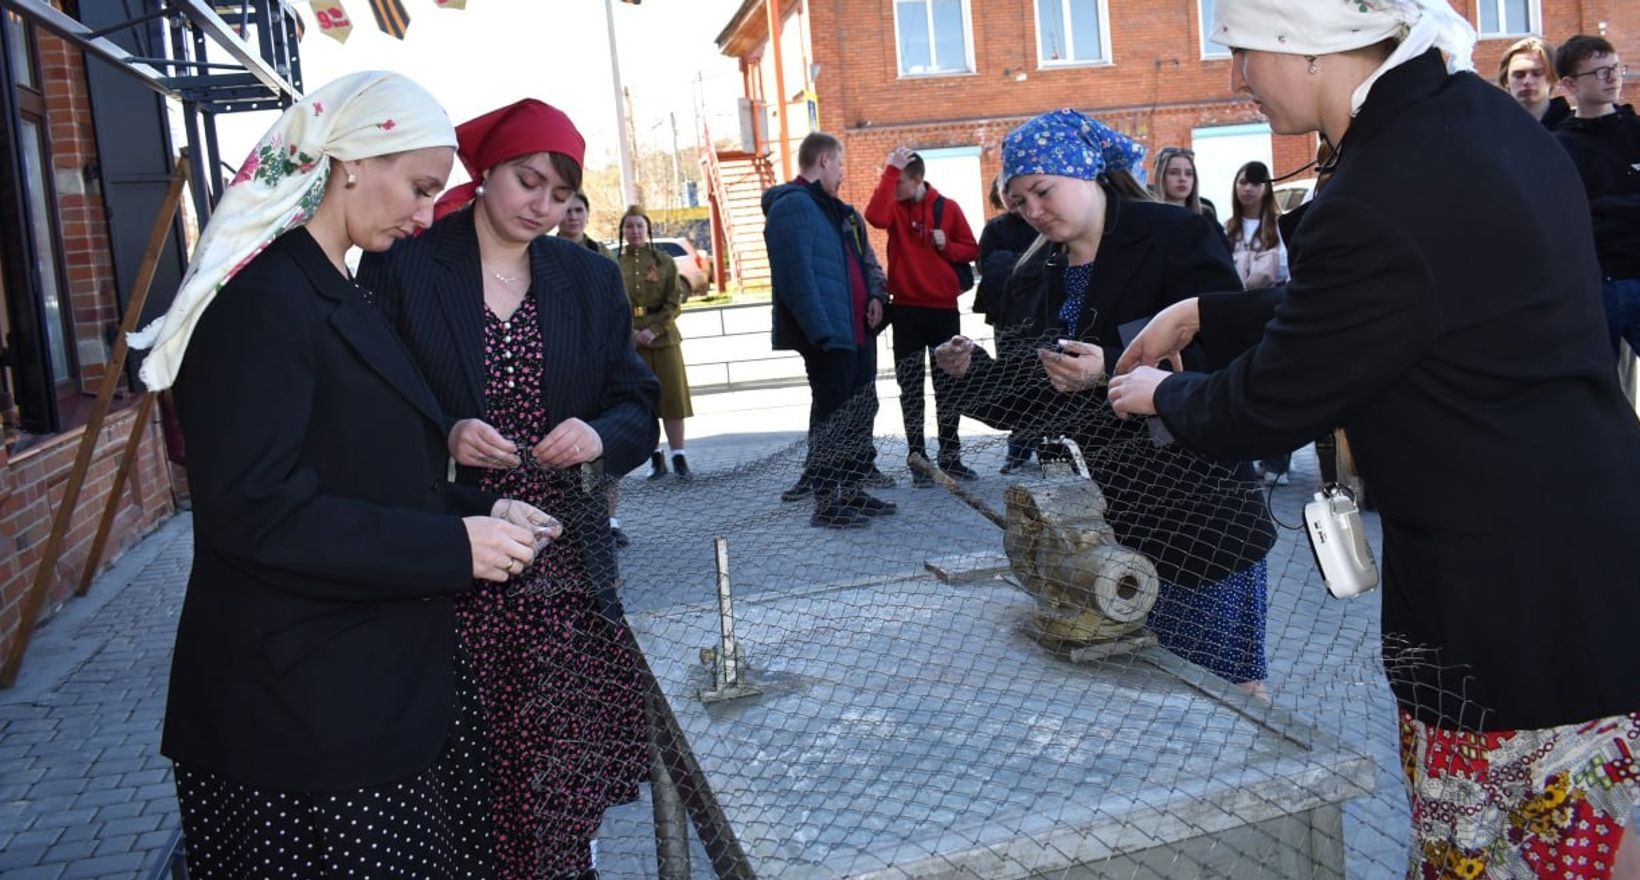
x,y
933,37
1508,18
19,47
1071,32
42,229
42,367
1211,49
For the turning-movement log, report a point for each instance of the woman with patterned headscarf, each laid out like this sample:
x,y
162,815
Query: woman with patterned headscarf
x,y
1110,256
322,720
1466,356
526,340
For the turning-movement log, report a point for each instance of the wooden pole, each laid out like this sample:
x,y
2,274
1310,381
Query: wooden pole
x,y
133,444
772,7
64,515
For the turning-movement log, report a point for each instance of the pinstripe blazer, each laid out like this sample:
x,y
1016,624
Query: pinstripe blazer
x,y
431,287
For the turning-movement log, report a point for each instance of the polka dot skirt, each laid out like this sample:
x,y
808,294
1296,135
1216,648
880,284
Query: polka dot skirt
x,y
433,825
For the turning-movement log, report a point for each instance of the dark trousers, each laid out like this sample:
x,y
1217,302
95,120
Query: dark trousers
x,y
842,408
917,332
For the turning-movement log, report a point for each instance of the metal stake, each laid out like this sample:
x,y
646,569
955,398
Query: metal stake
x,y
727,658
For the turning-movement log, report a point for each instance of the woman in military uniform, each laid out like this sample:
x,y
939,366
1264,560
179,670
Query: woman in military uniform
x,y
652,288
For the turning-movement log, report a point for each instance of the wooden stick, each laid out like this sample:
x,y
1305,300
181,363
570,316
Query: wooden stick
x,y
921,463
64,515
133,444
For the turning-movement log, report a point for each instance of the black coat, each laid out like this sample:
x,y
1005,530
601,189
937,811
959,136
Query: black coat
x,y
1606,151
1198,519
432,289
1445,309
314,648
1002,241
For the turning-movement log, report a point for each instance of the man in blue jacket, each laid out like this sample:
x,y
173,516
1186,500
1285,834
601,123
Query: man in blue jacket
x,y
825,309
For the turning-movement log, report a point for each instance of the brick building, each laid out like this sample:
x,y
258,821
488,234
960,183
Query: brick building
x,y
86,155
952,77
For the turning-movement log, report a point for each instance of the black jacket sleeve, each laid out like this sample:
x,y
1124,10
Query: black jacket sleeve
x,y
1358,314
247,402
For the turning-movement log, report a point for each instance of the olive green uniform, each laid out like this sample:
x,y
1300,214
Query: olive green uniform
x,y
652,289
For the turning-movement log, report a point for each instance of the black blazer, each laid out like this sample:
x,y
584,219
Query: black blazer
x,y
314,648
432,289
1198,519
1445,308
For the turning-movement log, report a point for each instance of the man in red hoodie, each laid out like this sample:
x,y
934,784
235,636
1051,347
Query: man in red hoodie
x,y
926,235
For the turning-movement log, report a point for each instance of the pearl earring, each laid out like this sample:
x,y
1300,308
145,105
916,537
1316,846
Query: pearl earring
x,y
479,191
1313,69
352,180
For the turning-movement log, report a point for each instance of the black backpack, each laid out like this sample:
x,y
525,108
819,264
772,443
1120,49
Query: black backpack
x,y
964,270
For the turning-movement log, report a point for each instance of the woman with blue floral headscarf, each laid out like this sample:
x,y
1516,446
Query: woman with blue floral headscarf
x,y
1109,256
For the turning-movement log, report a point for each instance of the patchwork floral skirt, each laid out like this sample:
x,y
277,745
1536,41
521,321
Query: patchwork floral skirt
x,y
1523,803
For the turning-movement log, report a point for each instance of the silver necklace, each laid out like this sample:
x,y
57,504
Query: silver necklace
x,y
509,280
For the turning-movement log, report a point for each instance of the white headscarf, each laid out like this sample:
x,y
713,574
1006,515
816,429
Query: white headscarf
x,y
1321,27
372,113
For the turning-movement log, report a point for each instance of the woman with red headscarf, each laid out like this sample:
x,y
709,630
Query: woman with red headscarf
x,y
526,340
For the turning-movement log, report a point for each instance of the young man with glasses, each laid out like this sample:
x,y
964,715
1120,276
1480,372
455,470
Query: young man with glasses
x,y
1603,140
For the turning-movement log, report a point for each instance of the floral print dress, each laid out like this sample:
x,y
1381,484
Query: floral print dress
x,y
558,681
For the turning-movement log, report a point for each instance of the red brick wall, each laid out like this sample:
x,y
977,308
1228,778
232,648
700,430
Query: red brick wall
x,y
1157,89
87,255
31,489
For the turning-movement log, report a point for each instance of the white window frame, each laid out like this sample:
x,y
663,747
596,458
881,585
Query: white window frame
x,y
1204,22
1534,20
1101,9
928,13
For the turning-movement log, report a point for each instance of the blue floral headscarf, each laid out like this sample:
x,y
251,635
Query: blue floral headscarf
x,y
1067,143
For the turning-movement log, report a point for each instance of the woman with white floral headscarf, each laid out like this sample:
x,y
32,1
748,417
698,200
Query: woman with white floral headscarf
x,y
1465,354
321,720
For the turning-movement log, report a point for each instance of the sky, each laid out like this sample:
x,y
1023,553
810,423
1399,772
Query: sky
x,y
495,52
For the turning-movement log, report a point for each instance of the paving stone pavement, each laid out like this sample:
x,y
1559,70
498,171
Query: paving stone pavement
x,y
84,792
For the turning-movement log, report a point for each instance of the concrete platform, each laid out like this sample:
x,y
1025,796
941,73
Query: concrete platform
x,y
911,729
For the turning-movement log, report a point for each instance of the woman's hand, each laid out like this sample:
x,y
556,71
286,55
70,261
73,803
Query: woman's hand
x,y
1077,366
1163,338
1134,393
644,338
500,549
570,443
544,529
476,444
955,356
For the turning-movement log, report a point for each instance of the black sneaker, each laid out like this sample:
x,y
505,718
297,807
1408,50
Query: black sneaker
x,y
871,506
957,469
680,466
1020,466
621,540
799,490
839,516
876,479
657,465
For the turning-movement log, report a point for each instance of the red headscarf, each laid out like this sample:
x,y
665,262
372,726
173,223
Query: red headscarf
x,y
520,129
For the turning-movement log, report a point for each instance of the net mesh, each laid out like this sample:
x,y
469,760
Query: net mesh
x,y
1137,674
